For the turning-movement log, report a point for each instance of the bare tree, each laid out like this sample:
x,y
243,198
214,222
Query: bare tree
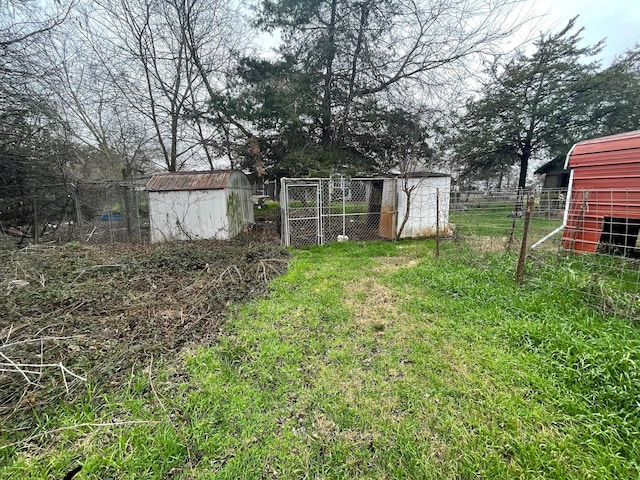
x,y
171,54
215,34
35,146
344,63
95,108
23,23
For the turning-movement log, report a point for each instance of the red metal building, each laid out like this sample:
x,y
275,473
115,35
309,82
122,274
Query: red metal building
x,y
603,204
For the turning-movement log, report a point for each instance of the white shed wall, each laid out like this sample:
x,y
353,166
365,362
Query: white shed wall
x,y
239,206
188,215
422,213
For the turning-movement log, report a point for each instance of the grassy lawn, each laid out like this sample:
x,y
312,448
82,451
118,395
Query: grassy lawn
x,y
269,211
372,360
498,221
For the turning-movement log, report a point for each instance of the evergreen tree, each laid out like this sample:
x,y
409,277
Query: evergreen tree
x,y
345,70
533,105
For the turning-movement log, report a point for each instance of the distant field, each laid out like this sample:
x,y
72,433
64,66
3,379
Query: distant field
x,y
498,220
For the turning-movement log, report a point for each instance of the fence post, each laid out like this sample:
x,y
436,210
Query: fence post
x,y
138,214
516,212
344,207
36,233
437,222
523,245
76,201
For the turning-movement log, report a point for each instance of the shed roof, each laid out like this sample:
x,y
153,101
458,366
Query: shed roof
x,y
555,165
425,175
583,152
168,182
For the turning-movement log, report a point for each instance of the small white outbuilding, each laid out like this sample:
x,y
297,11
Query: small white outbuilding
x,y
429,206
199,205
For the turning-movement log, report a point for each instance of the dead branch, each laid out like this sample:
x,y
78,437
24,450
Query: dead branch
x,y
264,264
30,374
95,267
35,340
80,425
20,366
16,368
153,388
228,270
264,271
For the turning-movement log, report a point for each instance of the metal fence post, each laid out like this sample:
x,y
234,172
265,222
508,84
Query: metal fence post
x,y
76,198
36,234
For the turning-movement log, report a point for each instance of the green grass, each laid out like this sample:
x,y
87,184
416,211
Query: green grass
x,y
498,221
375,361
269,211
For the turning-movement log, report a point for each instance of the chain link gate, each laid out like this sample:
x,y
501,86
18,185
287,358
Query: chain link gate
x,y
302,211
321,210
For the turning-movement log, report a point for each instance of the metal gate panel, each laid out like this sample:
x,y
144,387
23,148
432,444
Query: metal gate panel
x,y
302,219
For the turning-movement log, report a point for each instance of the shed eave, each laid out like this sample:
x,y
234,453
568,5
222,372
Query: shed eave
x,y
181,181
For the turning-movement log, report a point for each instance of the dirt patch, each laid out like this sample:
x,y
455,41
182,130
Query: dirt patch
x,y
328,431
492,244
391,264
102,311
371,303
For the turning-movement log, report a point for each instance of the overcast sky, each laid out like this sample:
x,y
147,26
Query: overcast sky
x,y
616,20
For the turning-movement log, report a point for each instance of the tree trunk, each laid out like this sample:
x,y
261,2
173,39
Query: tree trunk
x,y
408,191
364,13
524,167
328,79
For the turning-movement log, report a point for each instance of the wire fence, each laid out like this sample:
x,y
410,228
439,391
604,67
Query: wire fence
x,y
88,212
495,221
592,241
587,236
319,211
316,211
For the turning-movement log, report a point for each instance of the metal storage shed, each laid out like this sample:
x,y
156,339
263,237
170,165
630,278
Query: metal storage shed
x,y
603,207
199,205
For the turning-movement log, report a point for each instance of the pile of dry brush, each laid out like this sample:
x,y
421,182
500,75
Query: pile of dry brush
x,y
74,314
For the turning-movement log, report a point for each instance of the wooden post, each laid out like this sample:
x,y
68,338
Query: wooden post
x,y
516,212
76,199
523,245
437,222
36,233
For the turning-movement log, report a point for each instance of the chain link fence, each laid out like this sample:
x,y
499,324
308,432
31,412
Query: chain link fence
x,y
319,211
595,239
322,210
87,212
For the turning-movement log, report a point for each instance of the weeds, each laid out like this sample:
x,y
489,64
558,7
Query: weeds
x,y
96,314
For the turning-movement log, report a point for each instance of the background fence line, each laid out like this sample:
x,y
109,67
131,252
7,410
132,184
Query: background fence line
x,y
598,246
86,212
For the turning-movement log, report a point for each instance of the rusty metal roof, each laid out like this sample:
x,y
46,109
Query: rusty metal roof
x,y
168,182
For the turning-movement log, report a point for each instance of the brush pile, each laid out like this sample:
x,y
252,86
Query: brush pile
x,y
75,313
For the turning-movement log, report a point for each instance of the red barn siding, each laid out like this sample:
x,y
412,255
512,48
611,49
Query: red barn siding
x,y
606,183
